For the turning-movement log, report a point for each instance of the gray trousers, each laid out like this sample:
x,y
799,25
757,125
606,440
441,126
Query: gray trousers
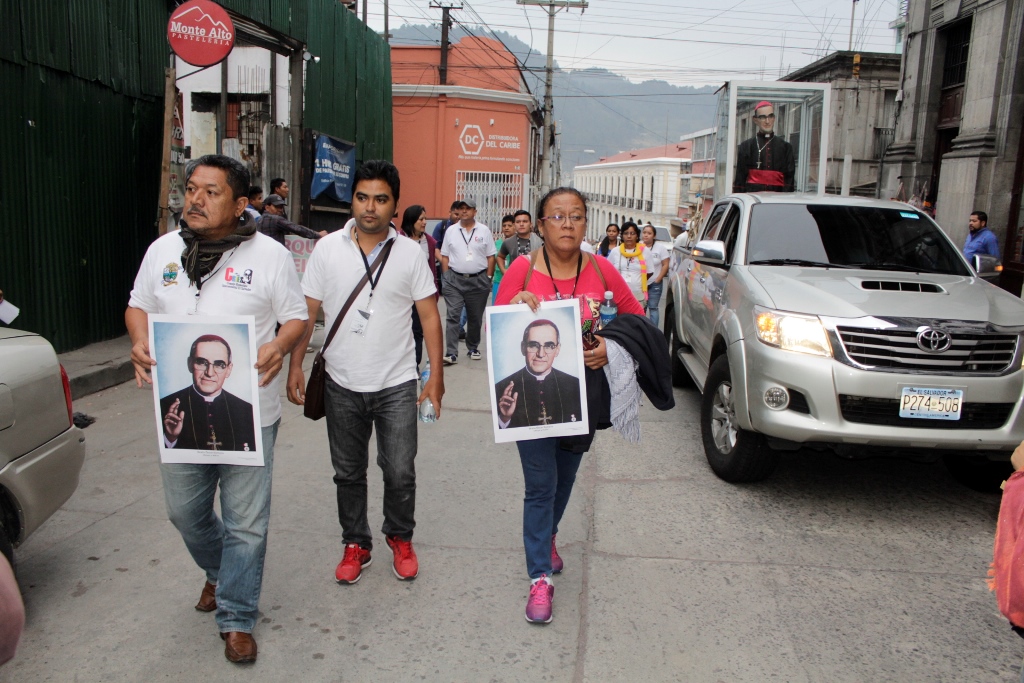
x,y
470,293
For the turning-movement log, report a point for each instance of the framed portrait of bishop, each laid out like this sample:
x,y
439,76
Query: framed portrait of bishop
x,y
205,389
536,371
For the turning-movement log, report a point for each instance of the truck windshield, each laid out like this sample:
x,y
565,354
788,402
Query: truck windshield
x,y
851,236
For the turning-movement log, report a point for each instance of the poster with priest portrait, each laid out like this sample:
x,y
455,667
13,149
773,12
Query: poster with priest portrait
x,y
206,389
536,371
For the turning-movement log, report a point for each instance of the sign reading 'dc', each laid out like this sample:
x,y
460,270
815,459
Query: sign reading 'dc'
x,y
201,32
472,140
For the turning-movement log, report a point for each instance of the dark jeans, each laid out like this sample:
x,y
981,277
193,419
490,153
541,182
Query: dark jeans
x,y
469,294
549,473
417,335
351,416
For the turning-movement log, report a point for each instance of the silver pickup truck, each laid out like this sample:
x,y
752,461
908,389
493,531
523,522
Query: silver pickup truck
x,y
843,323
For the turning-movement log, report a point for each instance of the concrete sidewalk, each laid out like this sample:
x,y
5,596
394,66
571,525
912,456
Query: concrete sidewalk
x,y
98,366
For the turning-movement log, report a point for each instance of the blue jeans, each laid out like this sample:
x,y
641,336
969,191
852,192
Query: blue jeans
x,y
230,548
653,300
351,416
549,473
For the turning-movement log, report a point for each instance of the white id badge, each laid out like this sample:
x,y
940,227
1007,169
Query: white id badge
x,y
469,256
361,321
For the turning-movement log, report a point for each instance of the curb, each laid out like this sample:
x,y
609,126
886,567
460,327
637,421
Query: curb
x,y
100,378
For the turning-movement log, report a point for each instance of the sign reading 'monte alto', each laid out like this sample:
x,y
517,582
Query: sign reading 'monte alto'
x,y
201,32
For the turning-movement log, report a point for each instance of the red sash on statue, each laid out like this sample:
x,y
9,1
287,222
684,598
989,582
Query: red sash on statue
x,y
756,176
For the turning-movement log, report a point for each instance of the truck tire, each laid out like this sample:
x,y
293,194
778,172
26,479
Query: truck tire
x,y
735,455
977,473
680,377
5,546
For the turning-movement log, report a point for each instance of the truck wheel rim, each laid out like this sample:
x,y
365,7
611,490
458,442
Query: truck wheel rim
x,y
723,419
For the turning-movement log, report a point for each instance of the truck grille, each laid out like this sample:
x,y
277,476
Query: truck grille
x,y
886,411
897,350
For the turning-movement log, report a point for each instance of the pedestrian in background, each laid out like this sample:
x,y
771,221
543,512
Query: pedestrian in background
x,y
273,223
440,230
980,240
467,262
524,242
414,225
371,379
507,231
657,266
610,241
255,204
279,186
630,260
216,230
560,271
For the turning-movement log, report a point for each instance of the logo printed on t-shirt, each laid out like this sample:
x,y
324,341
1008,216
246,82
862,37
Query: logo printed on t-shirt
x,y
238,279
170,274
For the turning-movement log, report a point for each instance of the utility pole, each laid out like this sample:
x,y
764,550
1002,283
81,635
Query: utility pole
x,y
853,11
551,7
446,22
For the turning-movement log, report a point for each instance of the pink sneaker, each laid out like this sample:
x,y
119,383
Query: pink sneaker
x,y
538,607
556,560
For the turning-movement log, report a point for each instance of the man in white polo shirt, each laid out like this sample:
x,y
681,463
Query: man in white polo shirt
x,y
467,259
371,365
193,271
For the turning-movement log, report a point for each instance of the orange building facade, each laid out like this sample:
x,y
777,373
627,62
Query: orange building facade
x,y
475,137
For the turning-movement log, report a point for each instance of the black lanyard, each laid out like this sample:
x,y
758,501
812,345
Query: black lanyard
x,y
366,264
463,233
579,267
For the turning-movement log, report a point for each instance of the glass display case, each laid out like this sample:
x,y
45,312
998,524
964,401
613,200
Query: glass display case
x,y
771,137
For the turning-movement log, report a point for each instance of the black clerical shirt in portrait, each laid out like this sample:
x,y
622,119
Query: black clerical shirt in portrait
x,y
553,400
223,424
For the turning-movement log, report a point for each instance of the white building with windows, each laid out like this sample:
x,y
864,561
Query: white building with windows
x,y
641,185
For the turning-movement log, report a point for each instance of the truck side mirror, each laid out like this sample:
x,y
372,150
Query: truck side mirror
x,y
709,252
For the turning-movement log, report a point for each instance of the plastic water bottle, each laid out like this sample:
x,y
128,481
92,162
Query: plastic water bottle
x,y
424,376
608,309
427,413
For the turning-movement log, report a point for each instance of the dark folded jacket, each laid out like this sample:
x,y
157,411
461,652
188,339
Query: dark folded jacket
x,y
646,343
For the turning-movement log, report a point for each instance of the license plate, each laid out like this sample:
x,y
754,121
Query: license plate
x,y
931,404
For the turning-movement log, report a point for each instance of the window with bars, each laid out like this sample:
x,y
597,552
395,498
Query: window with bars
x,y
495,194
958,46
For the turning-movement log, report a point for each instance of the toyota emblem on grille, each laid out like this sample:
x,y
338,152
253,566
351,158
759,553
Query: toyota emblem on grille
x,y
934,341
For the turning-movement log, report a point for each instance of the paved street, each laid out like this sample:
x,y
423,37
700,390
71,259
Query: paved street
x,y
833,570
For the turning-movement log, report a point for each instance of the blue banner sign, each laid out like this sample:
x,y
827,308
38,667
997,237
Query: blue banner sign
x,y
333,167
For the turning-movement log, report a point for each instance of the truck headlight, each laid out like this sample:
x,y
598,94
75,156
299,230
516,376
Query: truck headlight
x,y
791,332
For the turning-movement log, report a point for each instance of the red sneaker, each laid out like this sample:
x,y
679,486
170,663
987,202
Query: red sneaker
x,y
405,566
351,566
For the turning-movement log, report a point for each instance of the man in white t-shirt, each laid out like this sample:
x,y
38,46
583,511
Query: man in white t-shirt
x,y
467,262
195,271
371,365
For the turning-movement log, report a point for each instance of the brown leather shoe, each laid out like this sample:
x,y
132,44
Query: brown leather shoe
x,y
239,647
208,600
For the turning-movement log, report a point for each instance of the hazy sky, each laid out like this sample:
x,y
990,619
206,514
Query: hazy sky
x,y
685,42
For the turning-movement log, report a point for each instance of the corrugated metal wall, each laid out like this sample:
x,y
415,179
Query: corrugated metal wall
x,y
81,131
348,93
